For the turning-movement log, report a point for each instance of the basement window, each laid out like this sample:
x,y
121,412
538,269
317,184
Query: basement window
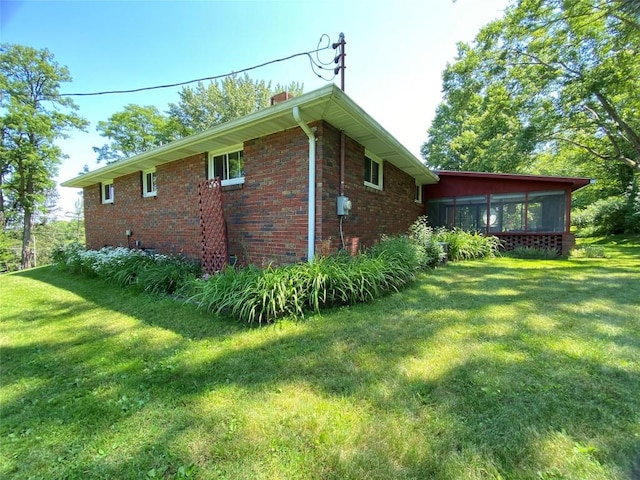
x,y
149,186
228,166
107,191
373,172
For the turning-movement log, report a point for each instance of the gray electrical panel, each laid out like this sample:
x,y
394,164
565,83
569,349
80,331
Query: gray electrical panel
x,y
344,205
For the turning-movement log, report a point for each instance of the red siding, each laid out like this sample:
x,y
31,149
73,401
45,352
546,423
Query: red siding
x,y
459,186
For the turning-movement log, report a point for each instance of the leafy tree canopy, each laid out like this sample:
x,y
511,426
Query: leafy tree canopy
x,y
218,102
133,131
137,129
552,85
32,116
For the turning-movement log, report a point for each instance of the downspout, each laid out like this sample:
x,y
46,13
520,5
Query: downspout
x,y
311,221
341,163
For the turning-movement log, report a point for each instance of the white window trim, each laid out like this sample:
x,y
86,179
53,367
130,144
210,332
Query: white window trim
x,y
418,191
112,190
380,163
145,192
226,151
233,181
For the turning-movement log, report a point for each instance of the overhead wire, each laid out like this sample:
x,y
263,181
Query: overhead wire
x,y
318,49
319,63
216,77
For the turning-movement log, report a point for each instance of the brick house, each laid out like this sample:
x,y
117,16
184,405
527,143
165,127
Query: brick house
x,y
265,160
286,172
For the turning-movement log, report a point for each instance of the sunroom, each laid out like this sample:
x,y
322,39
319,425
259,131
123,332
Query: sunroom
x,y
521,210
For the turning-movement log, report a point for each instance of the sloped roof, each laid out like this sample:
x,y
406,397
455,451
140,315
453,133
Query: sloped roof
x,y
328,103
575,182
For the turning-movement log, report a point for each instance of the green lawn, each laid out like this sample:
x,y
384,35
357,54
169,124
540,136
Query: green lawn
x,y
503,368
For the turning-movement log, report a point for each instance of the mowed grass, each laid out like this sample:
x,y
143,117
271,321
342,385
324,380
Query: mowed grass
x,y
503,368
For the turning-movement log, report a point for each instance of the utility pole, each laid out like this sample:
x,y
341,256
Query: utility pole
x,y
340,58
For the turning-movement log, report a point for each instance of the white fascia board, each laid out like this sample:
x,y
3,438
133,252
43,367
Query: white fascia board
x,y
257,122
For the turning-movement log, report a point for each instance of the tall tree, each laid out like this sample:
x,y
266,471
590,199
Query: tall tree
x,y
136,129
32,116
133,131
558,77
214,103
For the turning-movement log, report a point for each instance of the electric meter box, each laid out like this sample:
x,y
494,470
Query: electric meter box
x,y
344,205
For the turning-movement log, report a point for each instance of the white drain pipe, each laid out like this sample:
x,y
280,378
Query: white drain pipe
x,y
311,231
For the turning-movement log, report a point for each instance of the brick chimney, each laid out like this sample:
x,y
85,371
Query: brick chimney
x,y
280,97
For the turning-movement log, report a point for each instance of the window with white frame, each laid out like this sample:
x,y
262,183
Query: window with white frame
x,y
228,166
149,186
107,191
373,172
418,196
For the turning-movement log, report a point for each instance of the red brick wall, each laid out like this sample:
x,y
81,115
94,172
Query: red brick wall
x,y
375,212
169,222
267,215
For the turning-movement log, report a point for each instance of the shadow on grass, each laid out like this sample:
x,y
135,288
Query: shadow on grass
x,y
172,314
519,384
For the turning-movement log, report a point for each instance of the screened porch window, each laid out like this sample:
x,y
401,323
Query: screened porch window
x,y
507,213
468,212
501,213
547,211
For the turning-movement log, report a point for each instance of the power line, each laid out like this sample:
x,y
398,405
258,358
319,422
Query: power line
x,y
216,77
319,63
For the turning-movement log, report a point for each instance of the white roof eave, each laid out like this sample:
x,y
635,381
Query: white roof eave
x,y
328,103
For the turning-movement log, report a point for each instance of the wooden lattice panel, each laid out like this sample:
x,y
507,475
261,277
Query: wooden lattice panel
x,y
542,241
214,232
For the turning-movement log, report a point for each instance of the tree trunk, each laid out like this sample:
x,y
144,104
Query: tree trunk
x,y
631,136
27,250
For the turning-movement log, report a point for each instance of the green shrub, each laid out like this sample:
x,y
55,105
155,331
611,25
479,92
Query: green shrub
x,y
610,216
603,217
463,245
432,249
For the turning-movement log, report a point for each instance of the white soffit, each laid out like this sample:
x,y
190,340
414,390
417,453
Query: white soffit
x,y
328,103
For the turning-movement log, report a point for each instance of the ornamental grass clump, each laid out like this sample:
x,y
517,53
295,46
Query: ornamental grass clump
x,y
225,292
262,296
463,245
165,274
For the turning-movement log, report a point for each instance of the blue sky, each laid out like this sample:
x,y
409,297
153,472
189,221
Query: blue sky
x,y
396,51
